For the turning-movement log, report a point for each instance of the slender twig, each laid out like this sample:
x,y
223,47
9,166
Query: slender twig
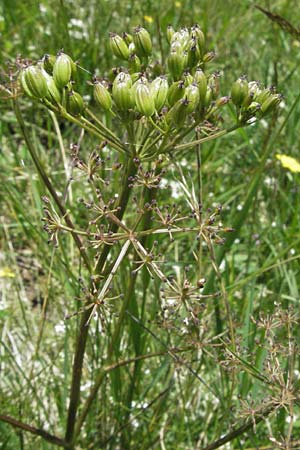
x,y
33,430
84,324
48,184
238,431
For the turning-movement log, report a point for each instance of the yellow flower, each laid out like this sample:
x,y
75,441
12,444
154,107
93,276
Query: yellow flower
x,y
177,4
148,19
6,272
289,163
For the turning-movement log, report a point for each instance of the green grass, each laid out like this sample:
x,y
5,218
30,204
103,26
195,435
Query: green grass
x,y
181,390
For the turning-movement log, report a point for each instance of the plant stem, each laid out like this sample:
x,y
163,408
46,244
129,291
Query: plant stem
x,y
33,430
49,185
84,325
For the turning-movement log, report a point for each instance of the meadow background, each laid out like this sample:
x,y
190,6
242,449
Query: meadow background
x,y
260,269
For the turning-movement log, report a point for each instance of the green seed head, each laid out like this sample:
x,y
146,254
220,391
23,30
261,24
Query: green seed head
x,y
62,70
142,42
118,46
208,57
170,33
36,82
53,95
271,104
178,113
144,99
48,63
122,91
222,101
102,96
187,78
175,92
75,104
199,36
239,91
194,55
263,95
23,84
134,63
208,97
127,38
192,96
159,90
180,40
123,77
175,64
201,80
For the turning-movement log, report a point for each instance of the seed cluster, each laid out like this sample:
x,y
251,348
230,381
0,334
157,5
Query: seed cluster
x,y
181,94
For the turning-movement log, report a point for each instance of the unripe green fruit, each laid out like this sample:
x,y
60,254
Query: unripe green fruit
x,y
122,92
192,96
123,77
178,113
170,33
201,80
23,84
208,97
239,91
263,95
187,78
48,63
53,94
159,89
127,38
113,73
144,99
102,96
75,104
270,104
36,82
208,57
180,39
134,63
222,101
194,55
253,108
199,35
176,92
175,64
142,42
119,46
62,70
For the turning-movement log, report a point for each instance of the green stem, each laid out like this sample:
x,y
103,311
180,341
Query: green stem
x,y
84,324
49,185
